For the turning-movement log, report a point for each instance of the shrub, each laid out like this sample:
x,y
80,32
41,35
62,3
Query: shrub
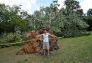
x,y
11,37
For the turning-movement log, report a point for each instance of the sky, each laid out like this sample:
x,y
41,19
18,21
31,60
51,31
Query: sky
x,y
32,5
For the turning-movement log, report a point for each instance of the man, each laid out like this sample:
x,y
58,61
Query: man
x,y
46,41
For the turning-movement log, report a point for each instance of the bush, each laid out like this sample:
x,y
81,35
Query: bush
x,y
11,37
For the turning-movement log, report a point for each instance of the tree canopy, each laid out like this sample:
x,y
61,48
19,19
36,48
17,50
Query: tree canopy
x,y
10,20
68,21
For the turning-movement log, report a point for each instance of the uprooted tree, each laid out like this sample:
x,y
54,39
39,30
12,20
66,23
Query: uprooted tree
x,y
34,43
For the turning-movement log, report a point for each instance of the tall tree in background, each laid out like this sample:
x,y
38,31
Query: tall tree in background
x,y
10,20
88,19
45,17
69,19
66,20
89,12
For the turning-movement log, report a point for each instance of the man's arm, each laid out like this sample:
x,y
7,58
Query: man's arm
x,y
51,35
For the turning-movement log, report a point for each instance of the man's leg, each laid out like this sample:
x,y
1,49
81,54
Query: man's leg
x,y
43,51
44,48
48,52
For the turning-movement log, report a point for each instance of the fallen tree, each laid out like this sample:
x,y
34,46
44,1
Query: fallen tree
x,y
34,43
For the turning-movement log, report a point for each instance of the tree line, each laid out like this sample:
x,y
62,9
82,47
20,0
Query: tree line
x,y
69,21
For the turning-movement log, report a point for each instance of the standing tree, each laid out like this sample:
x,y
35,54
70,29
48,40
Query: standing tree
x,y
69,19
89,12
10,20
88,19
46,16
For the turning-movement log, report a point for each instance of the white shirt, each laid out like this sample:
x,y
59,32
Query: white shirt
x,y
46,37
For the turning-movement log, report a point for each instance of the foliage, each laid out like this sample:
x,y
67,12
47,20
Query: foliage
x,y
69,21
88,20
89,12
44,17
71,25
10,20
11,37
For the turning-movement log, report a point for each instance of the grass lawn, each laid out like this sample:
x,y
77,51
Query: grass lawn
x,y
72,50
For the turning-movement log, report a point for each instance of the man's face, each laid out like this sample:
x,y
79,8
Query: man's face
x,y
45,31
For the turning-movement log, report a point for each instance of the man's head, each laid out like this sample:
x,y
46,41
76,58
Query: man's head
x,y
45,31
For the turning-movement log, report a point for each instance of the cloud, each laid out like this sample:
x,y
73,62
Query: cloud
x,y
32,5
61,2
26,4
86,4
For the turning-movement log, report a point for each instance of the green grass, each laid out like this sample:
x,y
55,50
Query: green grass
x,y
72,50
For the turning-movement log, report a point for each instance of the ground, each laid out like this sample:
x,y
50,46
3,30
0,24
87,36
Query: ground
x,y
72,50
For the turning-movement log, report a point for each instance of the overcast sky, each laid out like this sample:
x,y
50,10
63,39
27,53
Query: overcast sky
x,y
32,5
